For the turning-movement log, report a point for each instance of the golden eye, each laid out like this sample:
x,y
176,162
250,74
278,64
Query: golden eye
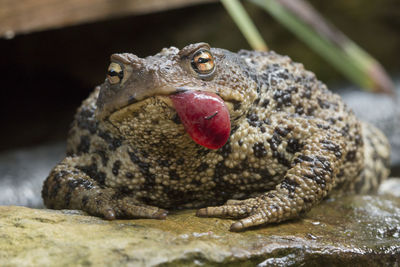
x,y
203,62
115,73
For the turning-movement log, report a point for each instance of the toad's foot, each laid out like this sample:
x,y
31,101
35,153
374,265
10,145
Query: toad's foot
x,y
309,180
251,212
68,187
126,208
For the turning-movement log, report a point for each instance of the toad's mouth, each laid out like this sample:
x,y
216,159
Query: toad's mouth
x,y
204,115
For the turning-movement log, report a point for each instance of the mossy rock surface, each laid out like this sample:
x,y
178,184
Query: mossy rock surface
x,y
347,231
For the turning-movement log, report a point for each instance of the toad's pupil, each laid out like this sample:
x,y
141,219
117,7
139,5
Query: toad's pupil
x,y
203,60
113,73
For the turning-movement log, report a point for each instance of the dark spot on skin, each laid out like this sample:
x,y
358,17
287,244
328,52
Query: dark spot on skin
x,y
265,174
129,175
86,120
85,183
307,93
323,103
116,166
317,175
275,141
324,127
144,154
265,103
253,120
236,104
144,169
281,158
293,145
256,102
330,146
84,144
180,161
282,97
259,150
358,139
283,75
262,129
332,121
282,131
302,158
325,163
234,129
173,175
290,185
203,166
314,161
351,155
56,186
72,184
113,143
176,119
163,162
345,130
203,151
103,156
299,109
293,89
92,172
240,142
225,150
100,178
310,111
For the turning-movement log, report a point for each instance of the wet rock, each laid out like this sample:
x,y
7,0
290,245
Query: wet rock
x,y
381,110
390,187
22,172
347,231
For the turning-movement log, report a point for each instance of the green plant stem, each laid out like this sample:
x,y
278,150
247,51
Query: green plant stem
x,y
342,53
245,24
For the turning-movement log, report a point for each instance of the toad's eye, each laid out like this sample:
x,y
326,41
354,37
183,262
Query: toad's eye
x,y
203,62
115,73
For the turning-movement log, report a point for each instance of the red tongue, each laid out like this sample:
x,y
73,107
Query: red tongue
x,y
205,117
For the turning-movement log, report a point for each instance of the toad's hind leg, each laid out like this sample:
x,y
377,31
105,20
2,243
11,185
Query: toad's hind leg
x,y
67,187
376,160
306,183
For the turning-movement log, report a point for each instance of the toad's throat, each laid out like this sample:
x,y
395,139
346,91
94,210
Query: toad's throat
x,y
204,115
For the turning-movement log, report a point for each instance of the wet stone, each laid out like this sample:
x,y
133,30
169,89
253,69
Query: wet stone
x,y
346,231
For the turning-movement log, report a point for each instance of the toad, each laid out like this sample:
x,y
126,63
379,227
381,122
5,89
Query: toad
x,y
251,136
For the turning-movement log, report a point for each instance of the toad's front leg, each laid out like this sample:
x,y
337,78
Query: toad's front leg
x,y
68,187
306,183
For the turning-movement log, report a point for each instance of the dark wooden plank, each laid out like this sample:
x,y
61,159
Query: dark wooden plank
x,y
24,16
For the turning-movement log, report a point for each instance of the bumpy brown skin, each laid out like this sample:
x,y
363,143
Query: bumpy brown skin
x,y
292,143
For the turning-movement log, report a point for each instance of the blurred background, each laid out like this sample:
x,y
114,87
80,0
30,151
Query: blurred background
x,y
53,53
